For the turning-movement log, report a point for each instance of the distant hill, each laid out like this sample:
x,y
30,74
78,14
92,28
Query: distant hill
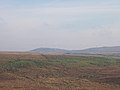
x,y
102,49
89,50
50,50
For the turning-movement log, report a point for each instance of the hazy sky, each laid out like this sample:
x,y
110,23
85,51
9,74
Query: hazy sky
x,y
69,24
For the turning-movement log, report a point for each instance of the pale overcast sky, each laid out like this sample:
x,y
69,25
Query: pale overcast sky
x,y
67,24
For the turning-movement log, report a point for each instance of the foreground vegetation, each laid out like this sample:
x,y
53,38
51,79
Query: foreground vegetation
x,y
58,72
67,61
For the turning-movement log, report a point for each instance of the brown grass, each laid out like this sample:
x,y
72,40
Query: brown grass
x,y
57,77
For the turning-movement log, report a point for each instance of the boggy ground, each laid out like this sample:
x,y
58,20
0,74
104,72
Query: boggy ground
x,y
58,72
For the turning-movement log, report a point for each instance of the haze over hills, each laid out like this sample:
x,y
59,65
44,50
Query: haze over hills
x,y
89,50
50,50
102,49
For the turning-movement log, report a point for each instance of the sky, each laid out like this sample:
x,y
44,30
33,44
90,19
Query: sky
x,y
67,24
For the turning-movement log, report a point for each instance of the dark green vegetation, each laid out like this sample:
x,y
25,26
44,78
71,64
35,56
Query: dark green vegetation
x,y
67,61
33,71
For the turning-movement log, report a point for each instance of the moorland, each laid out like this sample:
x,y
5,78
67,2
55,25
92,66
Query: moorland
x,y
37,71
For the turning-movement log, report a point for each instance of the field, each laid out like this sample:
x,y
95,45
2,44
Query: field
x,y
35,71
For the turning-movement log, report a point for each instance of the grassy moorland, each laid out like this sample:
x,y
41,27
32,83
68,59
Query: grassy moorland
x,y
29,71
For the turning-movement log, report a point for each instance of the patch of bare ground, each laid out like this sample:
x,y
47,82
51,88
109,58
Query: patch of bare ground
x,y
44,79
65,83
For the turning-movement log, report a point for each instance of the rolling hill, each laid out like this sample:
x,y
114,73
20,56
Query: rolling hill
x,y
102,49
50,50
89,50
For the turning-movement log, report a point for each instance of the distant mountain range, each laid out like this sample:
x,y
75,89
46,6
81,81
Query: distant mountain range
x,y
89,50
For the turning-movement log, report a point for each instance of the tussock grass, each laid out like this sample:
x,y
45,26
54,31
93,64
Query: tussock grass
x,y
75,61
19,64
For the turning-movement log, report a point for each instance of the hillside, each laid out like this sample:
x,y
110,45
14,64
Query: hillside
x,y
50,50
35,71
102,49
89,50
